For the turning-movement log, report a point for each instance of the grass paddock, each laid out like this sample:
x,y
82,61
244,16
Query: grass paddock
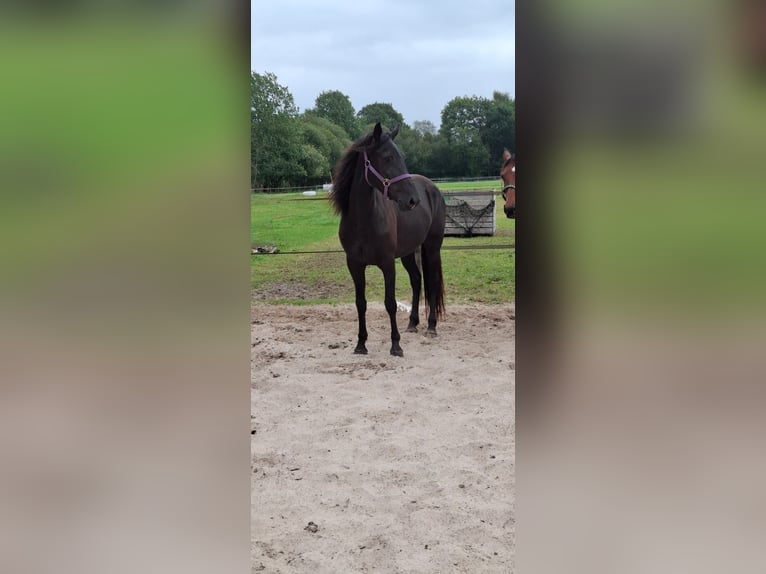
x,y
293,222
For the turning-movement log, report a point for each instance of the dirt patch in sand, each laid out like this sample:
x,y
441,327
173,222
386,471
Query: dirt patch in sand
x,y
374,463
298,290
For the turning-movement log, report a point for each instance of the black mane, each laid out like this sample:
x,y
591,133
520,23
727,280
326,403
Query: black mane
x,y
343,173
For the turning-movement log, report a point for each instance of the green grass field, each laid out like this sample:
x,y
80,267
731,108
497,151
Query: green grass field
x,y
293,222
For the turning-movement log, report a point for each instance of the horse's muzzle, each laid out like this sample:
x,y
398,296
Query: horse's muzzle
x,y
510,212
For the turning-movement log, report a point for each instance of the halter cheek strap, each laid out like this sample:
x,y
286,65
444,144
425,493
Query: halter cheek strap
x,y
368,167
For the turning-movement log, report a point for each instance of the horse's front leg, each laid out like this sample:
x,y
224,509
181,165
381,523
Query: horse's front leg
x,y
357,274
389,278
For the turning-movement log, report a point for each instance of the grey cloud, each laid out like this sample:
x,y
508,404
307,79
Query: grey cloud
x,y
417,55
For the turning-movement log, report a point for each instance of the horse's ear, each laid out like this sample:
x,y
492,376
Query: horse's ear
x,y
394,132
506,155
377,132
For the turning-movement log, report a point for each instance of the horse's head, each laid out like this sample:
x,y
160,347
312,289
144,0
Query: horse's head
x,y
384,168
508,175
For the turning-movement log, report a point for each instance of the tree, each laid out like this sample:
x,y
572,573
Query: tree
x,y
499,132
268,97
424,127
416,150
476,130
463,120
337,107
370,114
314,163
275,138
327,140
288,148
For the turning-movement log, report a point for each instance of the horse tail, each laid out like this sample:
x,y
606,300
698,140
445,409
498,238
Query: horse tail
x,y
433,280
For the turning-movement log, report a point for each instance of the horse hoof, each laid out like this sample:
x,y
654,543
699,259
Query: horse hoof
x,y
397,352
431,333
360,351
412,329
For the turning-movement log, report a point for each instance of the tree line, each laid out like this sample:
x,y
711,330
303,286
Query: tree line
x,y
289,148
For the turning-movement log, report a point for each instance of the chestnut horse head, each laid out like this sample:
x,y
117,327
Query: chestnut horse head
x,y
508,175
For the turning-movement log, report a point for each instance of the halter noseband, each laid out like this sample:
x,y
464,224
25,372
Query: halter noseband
x,y
384,180
510,185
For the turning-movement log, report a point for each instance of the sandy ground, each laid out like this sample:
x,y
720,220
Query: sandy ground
x,y
376,463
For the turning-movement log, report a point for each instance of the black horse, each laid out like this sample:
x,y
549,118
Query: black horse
x,y
386,213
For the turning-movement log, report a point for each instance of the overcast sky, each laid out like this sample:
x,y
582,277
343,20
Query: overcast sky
x,y
414,54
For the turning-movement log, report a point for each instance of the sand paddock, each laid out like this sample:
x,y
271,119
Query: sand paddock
x,y
377,463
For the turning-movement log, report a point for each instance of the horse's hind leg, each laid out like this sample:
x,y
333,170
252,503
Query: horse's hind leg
x,y
389,278
416,281
357,274
434,284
